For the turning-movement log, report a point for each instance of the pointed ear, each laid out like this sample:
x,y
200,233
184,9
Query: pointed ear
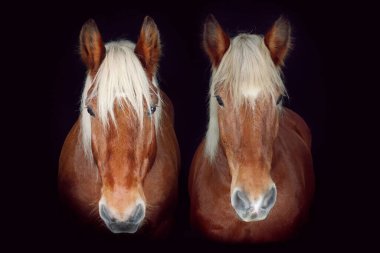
x,y
148,46
278,40
215,40
92,49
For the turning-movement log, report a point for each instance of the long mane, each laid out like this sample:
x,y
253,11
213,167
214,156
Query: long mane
x,y
245,71
120,79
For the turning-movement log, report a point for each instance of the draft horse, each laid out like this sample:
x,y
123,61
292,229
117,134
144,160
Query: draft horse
x,y
251,179
119,164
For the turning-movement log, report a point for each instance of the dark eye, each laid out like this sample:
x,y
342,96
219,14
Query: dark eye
x,y
279,100
220,101
152,109
90,111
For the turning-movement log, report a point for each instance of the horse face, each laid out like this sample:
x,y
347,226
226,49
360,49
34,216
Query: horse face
x,y
247,135
248,119
123,149
123,155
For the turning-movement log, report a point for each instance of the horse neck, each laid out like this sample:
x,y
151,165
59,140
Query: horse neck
x,y
166,138
220,165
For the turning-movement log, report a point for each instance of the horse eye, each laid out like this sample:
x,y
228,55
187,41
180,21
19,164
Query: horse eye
x,y
90,111
279,100
152,109
220,101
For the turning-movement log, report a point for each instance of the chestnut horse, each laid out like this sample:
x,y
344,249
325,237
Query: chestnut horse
x,y
119,164
251,178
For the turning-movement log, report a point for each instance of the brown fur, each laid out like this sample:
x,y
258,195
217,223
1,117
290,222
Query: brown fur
x,y
291,170
92,49
215,40
128,161
81,187
278,40
148,47
257,147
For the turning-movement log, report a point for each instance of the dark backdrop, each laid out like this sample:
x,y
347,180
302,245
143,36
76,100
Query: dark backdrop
x,y
183,75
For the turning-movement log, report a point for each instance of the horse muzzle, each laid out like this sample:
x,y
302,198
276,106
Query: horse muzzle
x,y
256,209
128,225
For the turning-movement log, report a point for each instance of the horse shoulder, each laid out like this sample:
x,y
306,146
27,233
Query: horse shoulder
x,y
68,158
293,162
167,140
208,186
161,182
78,181
195,166
297,123
197,177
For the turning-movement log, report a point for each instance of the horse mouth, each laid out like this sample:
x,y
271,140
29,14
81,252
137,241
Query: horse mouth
x,y
123,227
251,216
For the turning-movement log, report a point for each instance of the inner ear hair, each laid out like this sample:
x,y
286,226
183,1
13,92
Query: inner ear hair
x,y
278,40
92,48
148,46
215,40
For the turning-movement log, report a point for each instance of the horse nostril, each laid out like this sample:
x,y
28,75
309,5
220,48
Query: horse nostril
x,y
137,214
269,198
104,213
240,200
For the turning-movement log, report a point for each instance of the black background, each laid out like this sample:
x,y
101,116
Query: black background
x,y
53,77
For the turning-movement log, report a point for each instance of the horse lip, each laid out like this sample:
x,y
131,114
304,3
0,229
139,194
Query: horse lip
x,y
125,227
247,216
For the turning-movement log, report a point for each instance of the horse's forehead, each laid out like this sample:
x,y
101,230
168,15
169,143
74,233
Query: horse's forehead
x,y
255,108
251,93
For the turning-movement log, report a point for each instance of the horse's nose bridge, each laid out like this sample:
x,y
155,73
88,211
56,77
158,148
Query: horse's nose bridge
x,y
260,191
255,182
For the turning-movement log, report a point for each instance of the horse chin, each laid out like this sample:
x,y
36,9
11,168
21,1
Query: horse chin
x,y
118,228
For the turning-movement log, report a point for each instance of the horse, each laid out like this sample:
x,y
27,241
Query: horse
x,y
251,179
119,164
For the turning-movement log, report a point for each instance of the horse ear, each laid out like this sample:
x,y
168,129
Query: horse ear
x,y
215,40
148,46
278,40
92,49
